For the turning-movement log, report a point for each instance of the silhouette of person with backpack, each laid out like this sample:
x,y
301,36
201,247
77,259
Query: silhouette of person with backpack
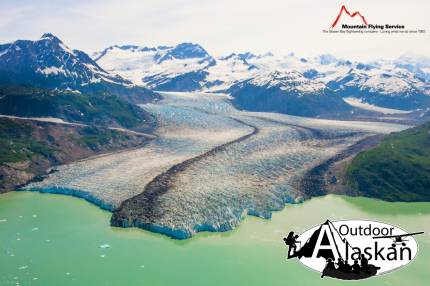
x,y
291,241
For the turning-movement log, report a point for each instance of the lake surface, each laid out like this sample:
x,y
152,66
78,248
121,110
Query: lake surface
x,y
55,240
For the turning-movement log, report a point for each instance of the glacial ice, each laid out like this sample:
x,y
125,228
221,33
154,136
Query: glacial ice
x,y
110,179
214,192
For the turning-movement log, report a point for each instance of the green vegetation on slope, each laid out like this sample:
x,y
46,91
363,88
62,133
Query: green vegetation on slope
x,y
19,141
100,109
28,148
396,170
95,138
17,144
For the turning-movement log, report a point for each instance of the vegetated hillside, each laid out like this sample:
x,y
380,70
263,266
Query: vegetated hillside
x,y
396,170
28,148
98,109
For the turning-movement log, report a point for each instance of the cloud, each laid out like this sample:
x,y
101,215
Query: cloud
x,y
221,26
13,15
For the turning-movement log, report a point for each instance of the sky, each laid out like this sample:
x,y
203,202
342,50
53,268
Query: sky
x,y
221,26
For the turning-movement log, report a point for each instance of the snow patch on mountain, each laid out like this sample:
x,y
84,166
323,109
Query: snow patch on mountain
x,y
356,102
51,70
287,81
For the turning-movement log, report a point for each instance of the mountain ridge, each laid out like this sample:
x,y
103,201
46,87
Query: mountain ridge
x,y
49,63
402,84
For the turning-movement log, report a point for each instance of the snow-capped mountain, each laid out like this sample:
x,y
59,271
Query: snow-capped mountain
x,y
384,86
288,92
49,63
306,84
402,84
185,67
292,82
229,70
368,81
155,66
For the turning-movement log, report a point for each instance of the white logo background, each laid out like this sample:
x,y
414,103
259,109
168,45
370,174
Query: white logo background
x,y
346,234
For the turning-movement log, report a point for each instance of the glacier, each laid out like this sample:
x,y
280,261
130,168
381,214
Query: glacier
x,y
209,166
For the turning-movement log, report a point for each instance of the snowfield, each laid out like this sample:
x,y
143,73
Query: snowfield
x,y
209,166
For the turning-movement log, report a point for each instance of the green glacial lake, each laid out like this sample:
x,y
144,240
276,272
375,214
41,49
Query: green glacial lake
x,y
54,240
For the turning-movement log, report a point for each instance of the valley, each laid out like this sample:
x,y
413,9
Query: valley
x,y
181,141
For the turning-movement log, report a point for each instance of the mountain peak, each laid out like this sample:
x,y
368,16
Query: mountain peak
x,y
247,55
50,36
232,55
189,50
326,59
183,51
49,63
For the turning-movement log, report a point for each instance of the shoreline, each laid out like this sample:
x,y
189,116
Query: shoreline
x,y
314,180
72,193
312,184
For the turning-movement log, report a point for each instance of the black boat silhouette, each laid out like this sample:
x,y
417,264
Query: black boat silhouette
x,y
330,270
352,275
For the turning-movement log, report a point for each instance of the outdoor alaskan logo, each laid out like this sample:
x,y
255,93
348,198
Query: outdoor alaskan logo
x,y
353,249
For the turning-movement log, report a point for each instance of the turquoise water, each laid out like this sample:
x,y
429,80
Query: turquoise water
x,y
54,240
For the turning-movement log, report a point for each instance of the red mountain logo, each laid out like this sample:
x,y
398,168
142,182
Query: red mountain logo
x,y
342,10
